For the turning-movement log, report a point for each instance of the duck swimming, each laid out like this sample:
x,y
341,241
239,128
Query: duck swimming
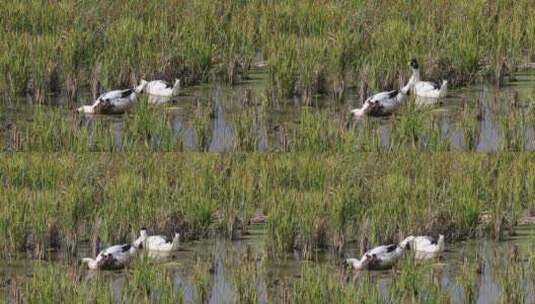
x,y
162,88
428,244
384,103
114,257
427,89
158,242
381,257
114,102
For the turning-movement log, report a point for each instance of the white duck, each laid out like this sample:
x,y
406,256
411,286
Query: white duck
x,y
114,102
381,257
113,257
427,89
162,88
428,244
158,243
384,103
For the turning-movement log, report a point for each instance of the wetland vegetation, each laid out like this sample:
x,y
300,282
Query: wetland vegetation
x,y
474,119
309,47
313,201
322,58
317,208
266,76
499,276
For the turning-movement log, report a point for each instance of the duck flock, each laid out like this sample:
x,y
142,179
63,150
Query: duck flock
x,y
119,256
120,101
378,258
381,104
385,256
386,103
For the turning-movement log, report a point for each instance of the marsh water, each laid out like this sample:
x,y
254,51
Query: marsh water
x,y
491,255
279,118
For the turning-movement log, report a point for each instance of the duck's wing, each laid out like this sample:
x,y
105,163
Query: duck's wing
x,y
381,250
110,95
383,96
126,247
434,240
393,94
383,256
117,94
112,250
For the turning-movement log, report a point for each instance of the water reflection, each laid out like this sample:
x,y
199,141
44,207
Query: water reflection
x,y
222,134
489,136
160,100
420,255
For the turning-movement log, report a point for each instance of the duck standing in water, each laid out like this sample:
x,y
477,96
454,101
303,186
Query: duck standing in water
x,y
427,89
114,102
384,103
114,257
382,257
158,243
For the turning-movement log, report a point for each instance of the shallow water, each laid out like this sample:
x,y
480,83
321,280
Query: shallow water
x,y
492,105
491,255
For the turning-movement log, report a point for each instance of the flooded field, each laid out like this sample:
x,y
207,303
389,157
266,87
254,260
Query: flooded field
x,y
267,76
316,210
477,271
249,270
218,118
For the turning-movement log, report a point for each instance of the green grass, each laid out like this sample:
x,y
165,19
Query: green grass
x,y
310,48
323,196
147,282
53,129
312,201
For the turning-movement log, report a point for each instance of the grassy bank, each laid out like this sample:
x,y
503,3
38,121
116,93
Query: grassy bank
x,y
312,201
310,47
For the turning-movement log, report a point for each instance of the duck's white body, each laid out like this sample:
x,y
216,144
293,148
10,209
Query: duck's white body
x,y
112,257
384,103
381,257
428,244
162,89
114,102
427,89
158,243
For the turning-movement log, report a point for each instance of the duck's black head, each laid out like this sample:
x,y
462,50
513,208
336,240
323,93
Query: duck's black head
x,y
414,63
